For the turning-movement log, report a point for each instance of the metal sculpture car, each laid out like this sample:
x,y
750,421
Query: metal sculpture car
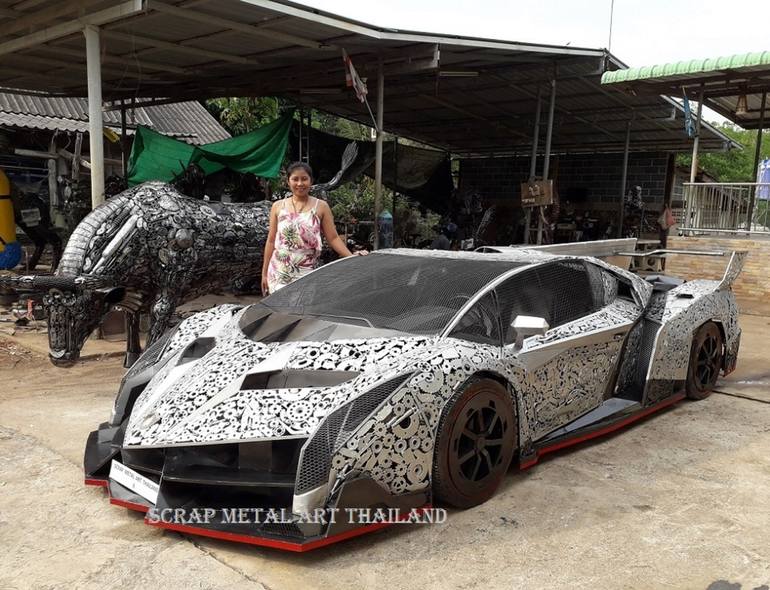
x,y
399,380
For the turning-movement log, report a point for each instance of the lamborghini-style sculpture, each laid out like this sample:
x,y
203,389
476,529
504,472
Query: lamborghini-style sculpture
x,y
400,380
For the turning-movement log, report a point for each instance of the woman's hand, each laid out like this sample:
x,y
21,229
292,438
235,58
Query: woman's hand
x,y
360,252
265,287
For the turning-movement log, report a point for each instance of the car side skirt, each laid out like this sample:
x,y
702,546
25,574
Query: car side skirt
x,y
596,429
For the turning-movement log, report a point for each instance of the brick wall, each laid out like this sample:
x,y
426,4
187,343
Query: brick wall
x,y
594,177
752,288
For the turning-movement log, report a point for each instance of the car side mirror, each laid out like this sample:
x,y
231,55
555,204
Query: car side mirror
x,y
526,326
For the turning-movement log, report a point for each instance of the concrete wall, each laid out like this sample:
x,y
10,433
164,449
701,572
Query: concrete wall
x,y
592,177
752,288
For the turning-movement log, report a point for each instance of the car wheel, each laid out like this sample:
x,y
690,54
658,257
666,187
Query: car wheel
x,y
705,361
477,437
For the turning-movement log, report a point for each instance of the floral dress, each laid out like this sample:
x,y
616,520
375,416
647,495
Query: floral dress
x,y
297,246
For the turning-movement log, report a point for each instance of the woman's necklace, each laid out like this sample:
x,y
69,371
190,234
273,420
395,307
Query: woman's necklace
x,y
294,206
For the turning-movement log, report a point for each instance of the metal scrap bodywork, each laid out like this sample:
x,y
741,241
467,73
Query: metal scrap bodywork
x,y
306,406
147,249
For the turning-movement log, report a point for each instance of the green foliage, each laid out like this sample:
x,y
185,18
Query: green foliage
x,y
351,202
734,165
354,202
241,115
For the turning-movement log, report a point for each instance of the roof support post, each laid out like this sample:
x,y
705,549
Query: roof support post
x,y
378,152
96,146
533,158
694,165
624,180
395,185
547,155
757,153
123,154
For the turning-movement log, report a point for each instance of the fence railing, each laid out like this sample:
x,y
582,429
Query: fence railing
x,y
724,207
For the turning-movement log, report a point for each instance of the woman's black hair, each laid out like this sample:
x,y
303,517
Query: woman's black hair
x,y
299,166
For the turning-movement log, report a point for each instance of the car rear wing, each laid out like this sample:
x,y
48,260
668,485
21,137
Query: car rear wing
x,y
734,266
604,249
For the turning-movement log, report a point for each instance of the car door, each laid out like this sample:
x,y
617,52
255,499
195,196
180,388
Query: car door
x,y
566,371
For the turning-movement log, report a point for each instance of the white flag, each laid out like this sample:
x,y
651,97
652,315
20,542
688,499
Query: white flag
x,y
352,80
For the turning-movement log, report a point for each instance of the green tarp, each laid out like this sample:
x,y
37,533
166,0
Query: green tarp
x,y
157,157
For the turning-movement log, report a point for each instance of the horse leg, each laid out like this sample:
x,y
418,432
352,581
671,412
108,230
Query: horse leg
x,y
133,346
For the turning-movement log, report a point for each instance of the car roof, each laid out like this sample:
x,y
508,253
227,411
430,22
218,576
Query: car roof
x,y
520,256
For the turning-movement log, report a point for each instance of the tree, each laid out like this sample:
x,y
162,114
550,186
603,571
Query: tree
x,y
734,165
241,115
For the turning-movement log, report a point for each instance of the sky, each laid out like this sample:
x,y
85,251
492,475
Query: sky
x,y
643,32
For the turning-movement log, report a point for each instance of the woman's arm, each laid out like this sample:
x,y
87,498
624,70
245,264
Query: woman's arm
x,y
269,245
330,231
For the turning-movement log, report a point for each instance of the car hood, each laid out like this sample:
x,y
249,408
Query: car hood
x,y
235,380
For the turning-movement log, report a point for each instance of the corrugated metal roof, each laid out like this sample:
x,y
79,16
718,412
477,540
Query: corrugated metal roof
x,y
187,120
192,50
721,79
693,68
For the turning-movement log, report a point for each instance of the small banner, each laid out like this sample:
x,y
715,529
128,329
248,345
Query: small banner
x,y
352,79
537,193
689,124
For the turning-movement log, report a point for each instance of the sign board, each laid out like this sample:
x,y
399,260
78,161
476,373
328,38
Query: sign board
x,y
31,217
136,482
538,193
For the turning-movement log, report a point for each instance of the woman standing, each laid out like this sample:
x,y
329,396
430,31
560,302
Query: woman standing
x,y
294,239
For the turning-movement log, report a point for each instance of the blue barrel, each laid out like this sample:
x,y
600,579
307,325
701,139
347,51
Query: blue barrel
x,y
385,228
10,249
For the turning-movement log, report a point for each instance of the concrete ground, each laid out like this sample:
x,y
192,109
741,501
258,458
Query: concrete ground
x,y
679,500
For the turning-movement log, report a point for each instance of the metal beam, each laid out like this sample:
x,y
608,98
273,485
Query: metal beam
x,y
624,180
757,154
96,141
533,157
122,10
160,44
65,65
378,152
256,31
531,94
458,109
29,20
134,63
694,163
547,155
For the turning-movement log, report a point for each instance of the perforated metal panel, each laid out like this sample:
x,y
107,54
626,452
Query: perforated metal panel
x,y
412,294
149,357
566,284
315,462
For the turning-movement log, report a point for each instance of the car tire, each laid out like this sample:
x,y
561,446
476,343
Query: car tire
x,y
477,438
706,356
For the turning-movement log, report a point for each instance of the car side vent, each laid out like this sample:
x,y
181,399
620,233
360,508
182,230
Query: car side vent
x,y
316,457
296,378
197,349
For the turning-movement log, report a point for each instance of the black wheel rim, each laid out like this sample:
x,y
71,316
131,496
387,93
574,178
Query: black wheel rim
x,y
707,364
478,444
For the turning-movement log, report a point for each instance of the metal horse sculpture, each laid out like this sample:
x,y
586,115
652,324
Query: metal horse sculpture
x,y
147,249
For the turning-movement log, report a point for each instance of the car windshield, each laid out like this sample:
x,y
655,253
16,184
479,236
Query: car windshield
x,y
408,293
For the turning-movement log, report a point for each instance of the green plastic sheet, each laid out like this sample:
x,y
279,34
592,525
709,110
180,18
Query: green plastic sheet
x,y
157,157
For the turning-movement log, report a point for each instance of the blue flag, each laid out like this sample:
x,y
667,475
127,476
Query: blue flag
x,y
689,124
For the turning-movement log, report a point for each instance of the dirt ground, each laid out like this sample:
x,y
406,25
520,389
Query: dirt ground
x,y
679,500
